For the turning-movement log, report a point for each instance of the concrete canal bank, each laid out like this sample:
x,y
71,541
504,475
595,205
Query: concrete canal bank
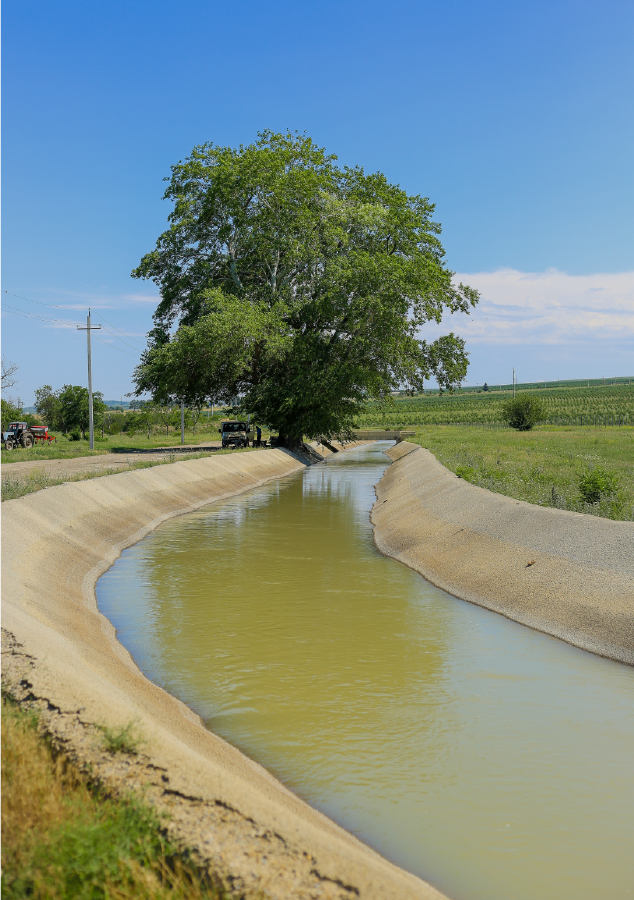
x,y
61,655
563,573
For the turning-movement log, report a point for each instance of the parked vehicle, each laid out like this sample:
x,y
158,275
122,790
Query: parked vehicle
x,y
18,435
235,434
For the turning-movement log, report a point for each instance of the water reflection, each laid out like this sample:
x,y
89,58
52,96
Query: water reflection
x,y
491,760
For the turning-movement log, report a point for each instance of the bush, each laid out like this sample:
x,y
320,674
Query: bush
x,y
523,412
74,436
598,484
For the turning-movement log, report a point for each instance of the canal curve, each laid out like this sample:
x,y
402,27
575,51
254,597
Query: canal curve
x,y
489,759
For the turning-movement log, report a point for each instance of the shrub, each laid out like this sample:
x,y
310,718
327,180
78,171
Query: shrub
x,y
598,484
74,436
523,412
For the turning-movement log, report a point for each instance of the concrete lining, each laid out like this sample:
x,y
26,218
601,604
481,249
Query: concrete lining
x,y
563,573
61,656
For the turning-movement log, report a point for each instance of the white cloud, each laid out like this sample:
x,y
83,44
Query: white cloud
x,y
142,298
547,308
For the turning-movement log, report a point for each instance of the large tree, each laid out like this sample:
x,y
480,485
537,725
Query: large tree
x,y
297,286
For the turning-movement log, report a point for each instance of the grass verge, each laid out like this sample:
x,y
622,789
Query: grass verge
x,y
547,466
15,486
61,839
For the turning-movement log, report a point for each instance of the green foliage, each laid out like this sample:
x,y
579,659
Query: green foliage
x,y
10,413
597,484
67,409
465,472
296,285
48,406
523,412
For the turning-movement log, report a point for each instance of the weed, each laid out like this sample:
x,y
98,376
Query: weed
x,y
125,739
598,484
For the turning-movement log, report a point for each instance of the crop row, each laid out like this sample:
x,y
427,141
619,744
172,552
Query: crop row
x,y
606,406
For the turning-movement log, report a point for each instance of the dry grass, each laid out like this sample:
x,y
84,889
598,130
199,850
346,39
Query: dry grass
x,y
62,840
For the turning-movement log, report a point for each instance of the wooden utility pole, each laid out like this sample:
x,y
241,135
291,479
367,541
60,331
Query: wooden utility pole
x,y
91,421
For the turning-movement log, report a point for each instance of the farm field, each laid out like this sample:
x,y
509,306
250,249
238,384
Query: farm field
x,y
543,466
600,405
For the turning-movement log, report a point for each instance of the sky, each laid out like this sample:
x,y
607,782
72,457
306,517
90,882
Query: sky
x,y
515,119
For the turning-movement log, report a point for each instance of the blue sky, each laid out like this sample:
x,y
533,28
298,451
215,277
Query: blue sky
x,y
514,118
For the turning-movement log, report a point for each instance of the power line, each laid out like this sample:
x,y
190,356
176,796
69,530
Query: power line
x,y
32,316
118,349
39,302
118,329
15,311
55,306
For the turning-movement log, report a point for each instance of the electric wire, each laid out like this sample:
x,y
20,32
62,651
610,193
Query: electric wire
x,y
32,316
55,306
14,310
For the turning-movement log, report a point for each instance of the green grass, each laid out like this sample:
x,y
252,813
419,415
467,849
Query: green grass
x,y
15,486
546,466
64,448
62,840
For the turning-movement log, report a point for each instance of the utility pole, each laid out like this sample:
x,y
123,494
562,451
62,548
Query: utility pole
x,y
513,382
91,421
182,423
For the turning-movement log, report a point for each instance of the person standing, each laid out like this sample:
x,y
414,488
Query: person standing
x,y
258,436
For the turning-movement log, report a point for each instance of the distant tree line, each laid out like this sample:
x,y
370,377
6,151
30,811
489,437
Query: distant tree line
x,y
66,410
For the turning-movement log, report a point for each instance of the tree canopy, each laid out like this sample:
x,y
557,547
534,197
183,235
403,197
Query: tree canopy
x,y
296,285
67,408
523,412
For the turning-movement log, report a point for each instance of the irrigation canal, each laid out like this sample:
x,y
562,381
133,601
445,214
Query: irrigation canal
x,y
491,760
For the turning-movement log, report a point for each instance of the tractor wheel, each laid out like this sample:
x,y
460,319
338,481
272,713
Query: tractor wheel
x,y
27,441
9,445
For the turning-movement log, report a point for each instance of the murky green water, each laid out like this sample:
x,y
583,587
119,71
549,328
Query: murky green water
x,y
494,761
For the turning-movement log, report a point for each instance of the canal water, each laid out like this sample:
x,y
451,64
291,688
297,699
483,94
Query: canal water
x,y
491,760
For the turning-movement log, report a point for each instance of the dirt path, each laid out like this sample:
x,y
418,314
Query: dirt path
x,y
65,468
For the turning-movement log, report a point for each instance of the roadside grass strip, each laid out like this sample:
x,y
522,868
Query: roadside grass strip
x,y
15,486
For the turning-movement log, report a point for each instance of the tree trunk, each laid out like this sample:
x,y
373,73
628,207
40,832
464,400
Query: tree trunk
x,y
291,442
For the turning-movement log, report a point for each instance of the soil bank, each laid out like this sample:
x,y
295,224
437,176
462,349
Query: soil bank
x,y
563,573
61,656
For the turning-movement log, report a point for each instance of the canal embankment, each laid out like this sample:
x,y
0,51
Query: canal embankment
x,y
61,656
563,573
